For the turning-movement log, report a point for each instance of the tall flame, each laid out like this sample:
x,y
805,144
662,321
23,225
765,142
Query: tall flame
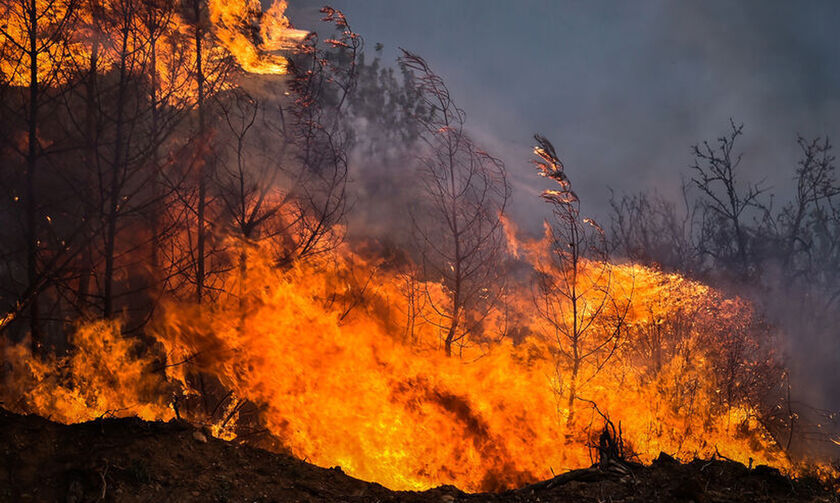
x,y
234,24
70,32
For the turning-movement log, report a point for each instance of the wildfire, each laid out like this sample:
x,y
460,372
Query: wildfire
x,y
338,380
340,357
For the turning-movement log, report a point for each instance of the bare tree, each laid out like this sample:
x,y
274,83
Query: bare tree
x,y
282,173
650,229
574,286
199,22
190,74
816,193
324,78
123,117
460,240
724,203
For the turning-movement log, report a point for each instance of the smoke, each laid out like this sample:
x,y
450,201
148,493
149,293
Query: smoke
x,y
623,91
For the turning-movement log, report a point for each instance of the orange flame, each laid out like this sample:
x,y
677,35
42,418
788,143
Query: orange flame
x,y
70,34
233,22
325,356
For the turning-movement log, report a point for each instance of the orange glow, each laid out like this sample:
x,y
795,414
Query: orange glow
x,y
52,57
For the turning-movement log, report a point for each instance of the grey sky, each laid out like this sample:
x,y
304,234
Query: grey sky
x,y
622,88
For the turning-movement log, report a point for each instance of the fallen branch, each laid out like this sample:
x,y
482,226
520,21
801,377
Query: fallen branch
x,y
102,475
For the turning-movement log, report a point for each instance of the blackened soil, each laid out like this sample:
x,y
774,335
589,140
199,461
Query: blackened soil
x,y
129,460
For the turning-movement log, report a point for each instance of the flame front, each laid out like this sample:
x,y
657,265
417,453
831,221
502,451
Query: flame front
x,y
338,379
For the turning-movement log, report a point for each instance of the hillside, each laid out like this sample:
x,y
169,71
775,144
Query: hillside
x,y
130,460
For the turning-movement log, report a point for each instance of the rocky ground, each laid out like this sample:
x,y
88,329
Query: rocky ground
x,y
129,460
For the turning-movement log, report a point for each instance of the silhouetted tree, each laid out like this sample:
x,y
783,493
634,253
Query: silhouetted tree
x,y
36,37
461,240
648,228
725,204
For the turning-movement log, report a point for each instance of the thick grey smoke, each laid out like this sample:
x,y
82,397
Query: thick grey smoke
x,y
622,88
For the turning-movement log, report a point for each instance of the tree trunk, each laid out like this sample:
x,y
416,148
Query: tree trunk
x,y
573,392
86,272
116,171
31,166
157,208
450,335
202,182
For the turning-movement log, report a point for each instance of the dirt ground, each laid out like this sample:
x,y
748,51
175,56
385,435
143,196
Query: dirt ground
x,y
129,460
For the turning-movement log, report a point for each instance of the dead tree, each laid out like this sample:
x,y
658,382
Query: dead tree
x,y
724,203
246,176
199,23
460,236
123,125
650,229
574,286
324,76
797,223
243,190
209,73
188,78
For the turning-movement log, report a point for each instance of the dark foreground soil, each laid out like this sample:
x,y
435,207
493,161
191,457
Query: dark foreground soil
x,y
131,460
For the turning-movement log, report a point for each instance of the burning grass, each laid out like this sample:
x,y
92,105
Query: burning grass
x,y
322,355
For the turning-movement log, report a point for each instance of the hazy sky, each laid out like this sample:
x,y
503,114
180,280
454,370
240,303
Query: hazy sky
x,y
621,88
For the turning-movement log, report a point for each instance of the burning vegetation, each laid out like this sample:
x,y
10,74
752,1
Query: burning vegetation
x,y
390,406
178,243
